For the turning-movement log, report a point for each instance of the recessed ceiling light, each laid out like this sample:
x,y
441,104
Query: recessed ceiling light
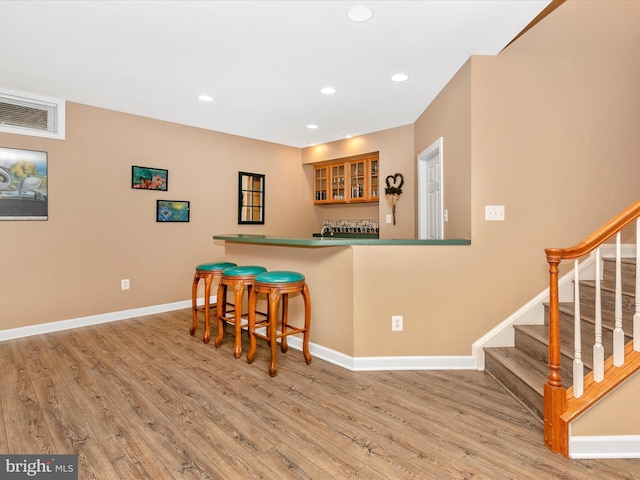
x,y
205,98
359,13
328,90
399,77
312,126
348,136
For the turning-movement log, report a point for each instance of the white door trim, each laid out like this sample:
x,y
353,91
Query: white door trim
x,y
433,153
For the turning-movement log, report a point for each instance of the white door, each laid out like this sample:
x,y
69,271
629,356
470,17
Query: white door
x,y
430,210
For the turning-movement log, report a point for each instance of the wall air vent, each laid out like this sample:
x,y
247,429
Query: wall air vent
x,y
28,114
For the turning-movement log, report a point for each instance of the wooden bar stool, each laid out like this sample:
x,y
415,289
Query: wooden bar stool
x,y
239,278
209,272
275,285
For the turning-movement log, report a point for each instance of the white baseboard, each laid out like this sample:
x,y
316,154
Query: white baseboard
x,y
91,320
415,363
614,446
362,364
20,332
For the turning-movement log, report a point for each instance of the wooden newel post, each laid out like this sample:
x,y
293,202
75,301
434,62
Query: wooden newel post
x,y
555,396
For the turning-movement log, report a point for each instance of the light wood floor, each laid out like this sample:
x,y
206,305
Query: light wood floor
x,y
141,398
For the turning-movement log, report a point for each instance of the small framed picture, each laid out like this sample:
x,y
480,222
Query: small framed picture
x,y
172,211
146,178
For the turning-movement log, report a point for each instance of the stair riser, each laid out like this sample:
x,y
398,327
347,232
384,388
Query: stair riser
x,y
587,305
588,325
627,270
540,351
515,385
588,337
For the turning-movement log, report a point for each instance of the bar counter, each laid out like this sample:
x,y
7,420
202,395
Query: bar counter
x,y
330,241
355,285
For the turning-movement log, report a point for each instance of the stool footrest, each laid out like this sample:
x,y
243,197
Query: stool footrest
x,y
279,334
201,308
231,319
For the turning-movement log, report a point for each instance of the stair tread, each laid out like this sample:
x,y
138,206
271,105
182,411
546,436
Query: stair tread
x,y
609,285
531,371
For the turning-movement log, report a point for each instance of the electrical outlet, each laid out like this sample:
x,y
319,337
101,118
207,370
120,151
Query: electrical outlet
x,y
494,213
396,323
388,218
124,284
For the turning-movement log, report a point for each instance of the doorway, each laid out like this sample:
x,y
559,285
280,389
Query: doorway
x,y
430,208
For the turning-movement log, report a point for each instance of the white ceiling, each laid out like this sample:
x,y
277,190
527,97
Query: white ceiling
x,y
264,62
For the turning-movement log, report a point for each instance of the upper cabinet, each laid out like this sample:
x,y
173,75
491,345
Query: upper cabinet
x,y
348,180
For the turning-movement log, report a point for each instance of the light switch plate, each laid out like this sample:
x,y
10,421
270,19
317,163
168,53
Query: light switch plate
x,y
389,219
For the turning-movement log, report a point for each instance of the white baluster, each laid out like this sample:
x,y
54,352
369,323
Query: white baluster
x,y
636,315
578,365
618,333
598,349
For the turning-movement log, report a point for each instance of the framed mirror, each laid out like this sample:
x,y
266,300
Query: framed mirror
x,y
250,198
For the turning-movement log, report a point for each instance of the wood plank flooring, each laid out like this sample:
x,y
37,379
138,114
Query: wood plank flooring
x,y
142,399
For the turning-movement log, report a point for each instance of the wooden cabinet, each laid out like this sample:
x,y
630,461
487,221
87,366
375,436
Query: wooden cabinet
x,y
348,180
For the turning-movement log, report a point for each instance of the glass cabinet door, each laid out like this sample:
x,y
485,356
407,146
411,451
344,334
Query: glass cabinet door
x,y
337,182
357,180
374,185
320,179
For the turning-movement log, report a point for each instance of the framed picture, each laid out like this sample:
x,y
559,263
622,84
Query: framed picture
x,y
23,185
146,178
172,211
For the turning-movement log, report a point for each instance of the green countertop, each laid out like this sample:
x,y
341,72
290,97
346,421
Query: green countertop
x,y
330,242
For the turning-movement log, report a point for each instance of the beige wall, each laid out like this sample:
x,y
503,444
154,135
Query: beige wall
x,y
553,124
449,117
100,230
396,156
615,415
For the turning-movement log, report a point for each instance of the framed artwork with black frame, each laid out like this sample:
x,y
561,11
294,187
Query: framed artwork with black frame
x,y
24,185
147,178
172,210
250,198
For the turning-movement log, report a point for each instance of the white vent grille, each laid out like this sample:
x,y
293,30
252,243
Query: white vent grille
x,y
27,114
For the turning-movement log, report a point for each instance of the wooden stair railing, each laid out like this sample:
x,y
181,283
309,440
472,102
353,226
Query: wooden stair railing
x,y
557,399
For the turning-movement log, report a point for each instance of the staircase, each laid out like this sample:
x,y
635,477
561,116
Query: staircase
x,y
523,369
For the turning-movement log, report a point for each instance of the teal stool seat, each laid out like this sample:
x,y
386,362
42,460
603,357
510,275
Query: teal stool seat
x,y
209,272
276,285
215,267
240,278
279,277
235,271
